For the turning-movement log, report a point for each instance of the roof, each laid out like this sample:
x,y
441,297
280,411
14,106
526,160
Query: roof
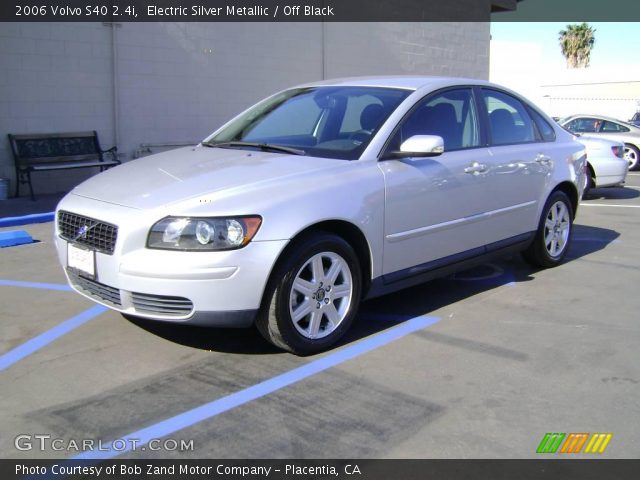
x,y
399,81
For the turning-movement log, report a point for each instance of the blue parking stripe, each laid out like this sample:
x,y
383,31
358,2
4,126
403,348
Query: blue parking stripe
x,y
27,219
44,286
49,336
224,404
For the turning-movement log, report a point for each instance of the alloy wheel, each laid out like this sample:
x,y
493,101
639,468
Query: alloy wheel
x,y
321,295
557,228
631,156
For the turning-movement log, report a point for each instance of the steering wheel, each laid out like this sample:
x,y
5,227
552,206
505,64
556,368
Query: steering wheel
x,y
360,135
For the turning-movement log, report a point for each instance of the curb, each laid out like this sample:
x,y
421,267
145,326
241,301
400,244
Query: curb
x,y
27,219
14,237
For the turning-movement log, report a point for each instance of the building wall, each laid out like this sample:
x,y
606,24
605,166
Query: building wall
x,y
154,83
619,99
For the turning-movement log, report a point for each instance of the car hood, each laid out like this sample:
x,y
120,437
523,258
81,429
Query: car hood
x,y
178,175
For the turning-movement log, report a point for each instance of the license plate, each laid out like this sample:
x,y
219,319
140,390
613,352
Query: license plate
x,y
81,259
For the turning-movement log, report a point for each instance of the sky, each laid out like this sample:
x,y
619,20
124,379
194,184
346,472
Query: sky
x,y
526,57
617,43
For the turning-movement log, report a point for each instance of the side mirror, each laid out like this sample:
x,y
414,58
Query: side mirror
x,y
419,146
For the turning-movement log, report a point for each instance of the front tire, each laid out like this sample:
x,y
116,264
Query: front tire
x,y
313,296
553,236
631,155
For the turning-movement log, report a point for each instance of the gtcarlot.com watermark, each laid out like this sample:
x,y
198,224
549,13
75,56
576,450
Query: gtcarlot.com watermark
x,y
45,442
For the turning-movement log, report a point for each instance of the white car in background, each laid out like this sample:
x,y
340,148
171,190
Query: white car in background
x,y
610,128
606,165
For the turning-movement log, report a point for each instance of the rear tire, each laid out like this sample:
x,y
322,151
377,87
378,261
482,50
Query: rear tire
x,y
590,183
312,296
553,236
632,155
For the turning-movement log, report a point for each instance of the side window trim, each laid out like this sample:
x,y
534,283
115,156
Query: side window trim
x,y
483,117
539,135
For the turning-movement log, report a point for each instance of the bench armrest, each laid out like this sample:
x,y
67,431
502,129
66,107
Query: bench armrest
x,y
113,151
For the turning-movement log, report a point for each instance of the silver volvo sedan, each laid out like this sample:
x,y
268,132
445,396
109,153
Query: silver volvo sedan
x,y
321,196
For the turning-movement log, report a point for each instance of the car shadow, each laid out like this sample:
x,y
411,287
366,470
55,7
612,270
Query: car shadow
x,y
390,310
588,239
611,193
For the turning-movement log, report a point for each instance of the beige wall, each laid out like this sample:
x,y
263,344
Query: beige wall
x,y
176,82
615,99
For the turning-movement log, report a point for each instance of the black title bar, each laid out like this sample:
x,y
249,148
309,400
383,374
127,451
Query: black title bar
x,y
543,469
317,10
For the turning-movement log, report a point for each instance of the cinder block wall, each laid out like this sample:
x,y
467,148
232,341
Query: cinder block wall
x,y
141,83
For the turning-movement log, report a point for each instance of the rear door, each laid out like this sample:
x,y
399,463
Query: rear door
x,y
521,148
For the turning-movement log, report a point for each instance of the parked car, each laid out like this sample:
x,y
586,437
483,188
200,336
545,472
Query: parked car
x,y
610,128
635,120
606,166
320,196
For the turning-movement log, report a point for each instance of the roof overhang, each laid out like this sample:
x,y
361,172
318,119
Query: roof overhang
x,y
504,5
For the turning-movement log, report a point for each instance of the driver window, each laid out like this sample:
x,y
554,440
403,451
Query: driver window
x,y
450,115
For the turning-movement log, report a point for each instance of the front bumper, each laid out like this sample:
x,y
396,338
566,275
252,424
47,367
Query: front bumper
x,y
203,288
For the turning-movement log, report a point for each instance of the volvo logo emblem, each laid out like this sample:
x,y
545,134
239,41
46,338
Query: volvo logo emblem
x,y
82,232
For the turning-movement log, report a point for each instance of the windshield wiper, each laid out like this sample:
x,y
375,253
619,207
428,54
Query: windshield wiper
x,y
262,146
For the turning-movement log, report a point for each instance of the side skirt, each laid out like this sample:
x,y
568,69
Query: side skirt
x,y
409,277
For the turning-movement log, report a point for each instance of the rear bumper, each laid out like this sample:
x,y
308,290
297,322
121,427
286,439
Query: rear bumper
x,y
610,172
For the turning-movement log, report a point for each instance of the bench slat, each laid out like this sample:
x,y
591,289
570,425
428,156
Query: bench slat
x,y
67,165
30,162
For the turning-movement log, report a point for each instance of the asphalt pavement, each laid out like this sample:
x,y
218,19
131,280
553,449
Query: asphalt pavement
x,y
477,365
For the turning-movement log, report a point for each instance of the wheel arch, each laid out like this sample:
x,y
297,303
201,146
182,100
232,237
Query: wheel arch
x,y
570,190
349,232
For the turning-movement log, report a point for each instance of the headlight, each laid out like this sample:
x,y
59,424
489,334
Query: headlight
x,y
183,233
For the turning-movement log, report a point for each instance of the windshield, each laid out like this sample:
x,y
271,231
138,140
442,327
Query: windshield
x,y
332,122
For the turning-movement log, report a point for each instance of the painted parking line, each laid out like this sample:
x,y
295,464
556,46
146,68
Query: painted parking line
x,y
44,339
43,286
608,205
224,404
27,219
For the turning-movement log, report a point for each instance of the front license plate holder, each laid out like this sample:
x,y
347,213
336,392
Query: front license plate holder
x,y
82,260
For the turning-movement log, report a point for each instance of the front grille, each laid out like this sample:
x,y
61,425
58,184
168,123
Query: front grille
x,y
87,231
95,289
161,305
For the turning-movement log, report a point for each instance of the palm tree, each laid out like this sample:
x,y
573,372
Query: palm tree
x,y
576,43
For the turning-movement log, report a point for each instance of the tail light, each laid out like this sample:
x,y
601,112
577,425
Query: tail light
x,y
617,151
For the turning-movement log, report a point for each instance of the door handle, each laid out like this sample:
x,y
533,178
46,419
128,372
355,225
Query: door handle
x,y
476,168
543,160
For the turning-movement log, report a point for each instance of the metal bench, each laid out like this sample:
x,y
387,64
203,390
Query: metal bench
x,y
57,151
